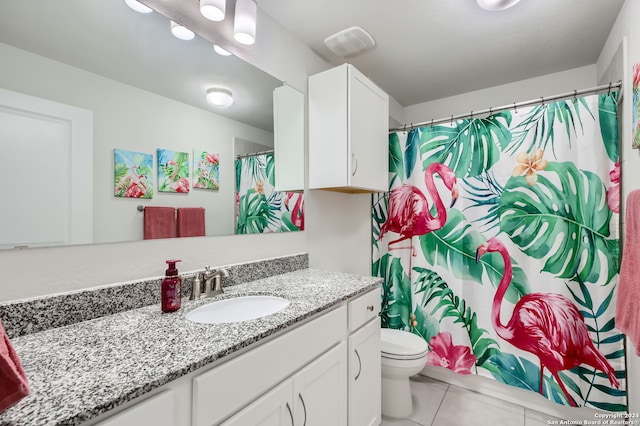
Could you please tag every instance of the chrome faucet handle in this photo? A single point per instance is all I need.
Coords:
(196, 290)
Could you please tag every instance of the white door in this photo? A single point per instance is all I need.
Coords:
(47, 169)
(320, 390)
(365, 375)
(272, 409)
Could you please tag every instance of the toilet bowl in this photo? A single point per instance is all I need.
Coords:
(403, 355)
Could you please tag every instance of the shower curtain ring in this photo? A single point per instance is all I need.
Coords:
(490, 111)
(575, 96)
(609, 91)
(471, 114)
(451, 119)
(432, 123)
(515, 107)
(542, 97)
(404, 129)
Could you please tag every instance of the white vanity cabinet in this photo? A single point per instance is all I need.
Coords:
(316, 395)
(364, 360)
(348, 132)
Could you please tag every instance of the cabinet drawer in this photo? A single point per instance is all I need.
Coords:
(225, 389)
(364, 308)
(157, 410)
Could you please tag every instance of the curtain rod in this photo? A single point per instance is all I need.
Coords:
(254, 154)
(515, 105)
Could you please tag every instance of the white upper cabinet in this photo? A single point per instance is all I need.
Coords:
(348, 132)
(288, 133)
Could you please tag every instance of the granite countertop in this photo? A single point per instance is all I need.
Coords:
(79, 371)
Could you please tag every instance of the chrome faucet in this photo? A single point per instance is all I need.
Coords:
(212, 283)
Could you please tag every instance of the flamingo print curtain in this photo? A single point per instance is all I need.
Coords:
(259, 208)
(498, 244)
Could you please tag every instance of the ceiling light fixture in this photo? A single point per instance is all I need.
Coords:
(220, 51)
(493, 5)
(219, 98)
(213, 10)
(183, 33)
(138, 7)
(244, 26)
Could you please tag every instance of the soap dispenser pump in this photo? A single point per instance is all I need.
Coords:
(171, 288)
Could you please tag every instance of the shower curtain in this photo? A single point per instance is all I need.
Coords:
(498, 243)
(259, 208)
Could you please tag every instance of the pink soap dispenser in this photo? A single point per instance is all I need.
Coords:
(171, 288)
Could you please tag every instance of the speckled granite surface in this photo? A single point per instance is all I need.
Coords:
(38, 314)
(81, 370)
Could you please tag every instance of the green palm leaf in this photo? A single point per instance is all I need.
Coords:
(411, 151)
(379, 202)
(468, 147)
(270, 169)
(538, 125)
(454, 247)
(434, 288)
(484, 192)
(396, 303)
(254, 214)
(608, 115)
(568, 224)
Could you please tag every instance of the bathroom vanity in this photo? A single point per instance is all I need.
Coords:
(315, 362)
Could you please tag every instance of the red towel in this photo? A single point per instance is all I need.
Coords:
(190, 222)
(627, 312)
(13, 380)
(159, 222)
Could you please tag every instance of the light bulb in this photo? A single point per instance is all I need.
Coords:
(220, 51)
(138, 7)
(183, 33)
(496, 4)
(219, 98)
(213, 10)
(244, 26)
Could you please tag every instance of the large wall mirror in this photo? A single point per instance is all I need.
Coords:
(141, 90)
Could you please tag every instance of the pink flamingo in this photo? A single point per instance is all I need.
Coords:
(547, 325)
(182, 184)
(297, 213)
(409, 213)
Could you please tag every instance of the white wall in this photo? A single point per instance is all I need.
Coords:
(612, 65)
(125, 117)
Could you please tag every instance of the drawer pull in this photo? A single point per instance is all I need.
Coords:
(290, 413)
(370, 308)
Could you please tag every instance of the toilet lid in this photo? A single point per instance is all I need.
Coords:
(400, 344)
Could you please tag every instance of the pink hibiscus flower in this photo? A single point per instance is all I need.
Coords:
(613, 193)
(445, 354)
(212, 158)
(636, 76)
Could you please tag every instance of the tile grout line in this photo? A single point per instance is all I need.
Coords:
(439, 406)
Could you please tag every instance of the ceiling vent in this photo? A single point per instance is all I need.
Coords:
(350, 42)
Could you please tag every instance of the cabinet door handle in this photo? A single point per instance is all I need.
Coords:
(290, 413)
(354, 160)
(370, 308)
(304, 407)
(359, 365)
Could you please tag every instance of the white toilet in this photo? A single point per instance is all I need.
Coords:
(403, 354)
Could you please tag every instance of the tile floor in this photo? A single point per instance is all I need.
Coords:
(451, 405)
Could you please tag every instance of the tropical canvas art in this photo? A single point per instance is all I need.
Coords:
(636, 106)
(259, 208)
(173, 171)
(133, 174)
(206, 170)
(498, 244)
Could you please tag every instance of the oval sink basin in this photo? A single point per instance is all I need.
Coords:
(237, 309)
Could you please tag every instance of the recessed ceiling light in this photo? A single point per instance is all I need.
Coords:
(220, 51)
(138, 7)
(219, 98)
(496, 4)
(213, 10)
(183, 33)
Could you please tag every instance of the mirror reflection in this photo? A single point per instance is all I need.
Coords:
(137, 92)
